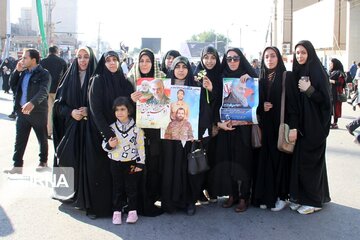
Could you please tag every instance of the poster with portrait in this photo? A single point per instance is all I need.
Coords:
(153, 107)
(240, 100)
(184, 114)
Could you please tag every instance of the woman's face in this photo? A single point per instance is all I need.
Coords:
(145, 64)
(233, 60)
(181, 71)
(168, 61)
(301, 54)
(83, 60)
(270, 59)
(112, 64)
(209, 60)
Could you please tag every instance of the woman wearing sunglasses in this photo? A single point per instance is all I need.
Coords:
(234, 155)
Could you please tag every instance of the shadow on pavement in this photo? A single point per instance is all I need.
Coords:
(5, 224)
(214, 222)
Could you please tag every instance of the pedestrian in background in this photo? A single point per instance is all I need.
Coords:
(167, 61)
(337, 81)
(57, 68)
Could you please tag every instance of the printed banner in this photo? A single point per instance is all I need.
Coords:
(240, 100)
(184, 114)
(153, 108)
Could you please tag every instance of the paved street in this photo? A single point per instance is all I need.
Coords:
(34, 215)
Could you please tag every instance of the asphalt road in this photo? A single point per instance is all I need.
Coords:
(28, 214)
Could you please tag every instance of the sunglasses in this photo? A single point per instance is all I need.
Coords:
(234, 58)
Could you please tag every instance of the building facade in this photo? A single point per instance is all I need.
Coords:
(331, 25)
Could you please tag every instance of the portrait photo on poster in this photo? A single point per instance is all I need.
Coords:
(184, 114)
(153, 107)
(240, 99)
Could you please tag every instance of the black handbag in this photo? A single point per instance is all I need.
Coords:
(341, 97)
(197, 159)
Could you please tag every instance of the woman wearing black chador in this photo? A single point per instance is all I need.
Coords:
(234, 153)
(273, 170)
(107, 84)
(309, 185)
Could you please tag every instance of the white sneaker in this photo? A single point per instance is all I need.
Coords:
(279, 205)
(263, 206)
(308, 209)
(294, 206)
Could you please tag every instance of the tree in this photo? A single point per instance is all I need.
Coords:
(209, 36)
(219, 41)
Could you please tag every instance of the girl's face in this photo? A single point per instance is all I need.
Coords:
(209, 60)
(83, 59)
(181, 71)
(168, 61)
(112, 64)
(233, 60)
(301, 54)
(270, 59)
(331, 65)
(145, 64)
(122, 113)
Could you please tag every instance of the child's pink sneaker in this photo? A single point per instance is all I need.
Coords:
(132, 217)
(116, 218)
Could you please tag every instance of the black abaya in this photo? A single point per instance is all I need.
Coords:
(309, 184)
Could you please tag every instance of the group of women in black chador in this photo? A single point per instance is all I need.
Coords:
(266, 177)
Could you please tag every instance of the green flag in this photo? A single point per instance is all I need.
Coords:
(44, 46)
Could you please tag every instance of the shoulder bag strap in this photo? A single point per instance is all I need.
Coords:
(282, 110)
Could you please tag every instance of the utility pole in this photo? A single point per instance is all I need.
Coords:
(98, 42)
(50, 4)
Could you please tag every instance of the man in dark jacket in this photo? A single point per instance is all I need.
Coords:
(57, 68)
(31, 83)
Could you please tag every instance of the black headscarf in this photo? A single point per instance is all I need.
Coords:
(189, 79)
(244, 66)
(280, 68)
(313, 67)
(71, 95)
(173, 53)
(319, 81)
(337, 69)
(214, 73)
(150, 54)
(115, 83)
(70, 85)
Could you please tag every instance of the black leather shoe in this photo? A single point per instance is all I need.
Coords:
(12, 116)
(191, 209)
(91, 215)
(42, 167)
(349, 130)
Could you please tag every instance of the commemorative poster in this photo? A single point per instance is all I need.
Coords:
(240, 100)
(184, 114)
(153, 107)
